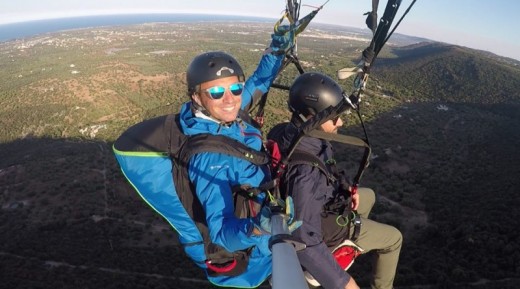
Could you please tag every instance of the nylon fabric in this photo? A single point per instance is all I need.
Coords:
(151, 177)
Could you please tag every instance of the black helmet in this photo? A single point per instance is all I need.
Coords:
(313, 92)
(209, 66)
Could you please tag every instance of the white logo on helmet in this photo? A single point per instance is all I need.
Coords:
(219, 72)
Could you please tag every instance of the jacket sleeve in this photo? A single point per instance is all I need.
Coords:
(261, 80)
(214, 175)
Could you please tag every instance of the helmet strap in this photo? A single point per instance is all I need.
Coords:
(298, 119)
(302, 117)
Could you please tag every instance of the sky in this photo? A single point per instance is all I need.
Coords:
(480, 24)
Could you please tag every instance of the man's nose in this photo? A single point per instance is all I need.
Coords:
(228, 96)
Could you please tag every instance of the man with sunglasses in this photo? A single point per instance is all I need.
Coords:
(219, 100)
(313, 186)
(194, 185)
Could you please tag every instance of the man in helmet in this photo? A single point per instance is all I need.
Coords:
(312, 188)
(198, 194)
(219, 97)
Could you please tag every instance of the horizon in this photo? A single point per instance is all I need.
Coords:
(38, 30)
(488, 26)
(163, 14)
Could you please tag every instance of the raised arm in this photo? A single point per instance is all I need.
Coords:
(267, 69)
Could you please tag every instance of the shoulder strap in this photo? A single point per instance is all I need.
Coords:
(206, 142)
(300, 157)
(351, 140)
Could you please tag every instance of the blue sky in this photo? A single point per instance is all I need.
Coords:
(480, 24)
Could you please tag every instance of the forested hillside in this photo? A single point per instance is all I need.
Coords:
(441, 72)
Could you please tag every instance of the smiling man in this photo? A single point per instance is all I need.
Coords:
(197, 195)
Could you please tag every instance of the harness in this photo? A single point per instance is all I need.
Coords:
(164, 134)
(340, 205)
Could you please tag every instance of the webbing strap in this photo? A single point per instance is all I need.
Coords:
(355, 141)
(302, 157)
(357, 227)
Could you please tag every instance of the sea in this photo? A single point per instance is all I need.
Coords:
(19, 30)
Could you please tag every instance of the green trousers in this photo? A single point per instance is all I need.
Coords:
(384, 240)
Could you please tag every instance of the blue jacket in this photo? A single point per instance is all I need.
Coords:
(213, 176)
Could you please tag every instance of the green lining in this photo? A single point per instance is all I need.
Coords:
(140, 154)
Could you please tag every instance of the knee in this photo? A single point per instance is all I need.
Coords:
(367, 196)
(393, 243)
(398, 237)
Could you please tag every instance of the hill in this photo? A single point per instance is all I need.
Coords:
(445, 164)
(434, 71)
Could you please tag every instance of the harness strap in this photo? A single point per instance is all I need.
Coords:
(357, 227)
(302, 157)
(337, 206)
(355, 141)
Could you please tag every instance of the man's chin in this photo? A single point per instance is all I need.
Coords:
(229, 117)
